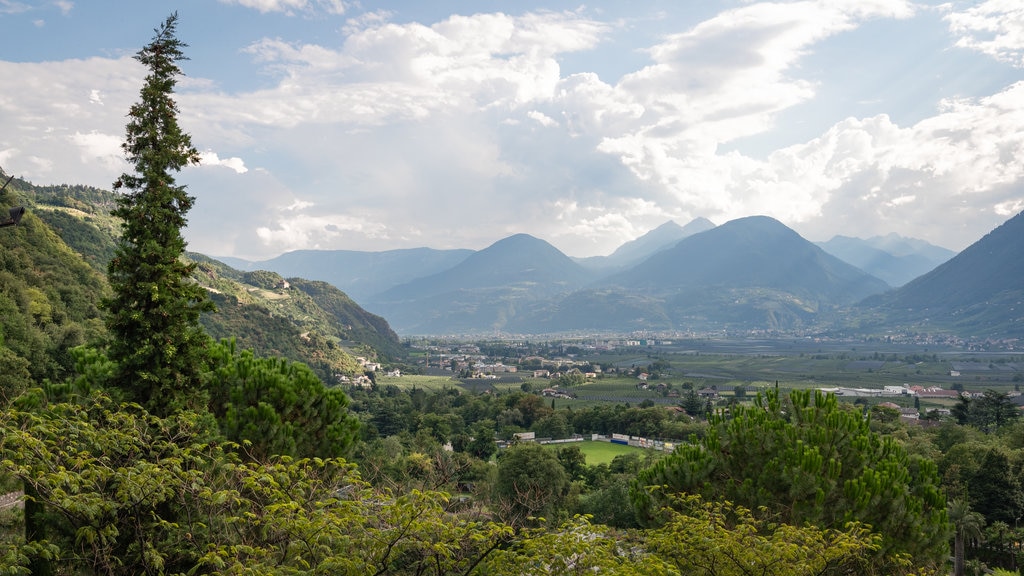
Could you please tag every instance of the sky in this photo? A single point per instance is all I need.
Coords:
(376, 125)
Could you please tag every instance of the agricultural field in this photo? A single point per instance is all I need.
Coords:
(428, 383)
(755, 365)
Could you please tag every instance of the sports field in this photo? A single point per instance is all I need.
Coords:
(603, 452)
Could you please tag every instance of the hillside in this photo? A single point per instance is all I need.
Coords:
(979, 292)
(298, 319)
(312, 323)
(49, 299)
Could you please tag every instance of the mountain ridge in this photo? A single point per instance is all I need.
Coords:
(980, 291)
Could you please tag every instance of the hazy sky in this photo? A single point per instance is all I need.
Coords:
(387, 124)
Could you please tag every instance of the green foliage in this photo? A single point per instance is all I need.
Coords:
(274, 407)
(264, 279)
(483, 445)
(610, 504)
(571, 379)
(989, 413)
(358, 324)
(127, 492)
(531, 483)
(154, 311)
(92, 236)
(48, 302)
(720, 539)
(806, 461)
(967, 527)
(573, 547)
(320, 327)
(107, 476)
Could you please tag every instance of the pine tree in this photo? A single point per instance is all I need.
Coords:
(803, 459)
(157, 341)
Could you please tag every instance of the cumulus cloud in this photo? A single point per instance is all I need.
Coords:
(456, 132)
(210, 158)
(724, 79)
(311, 231)
(97, 147)
(994, 27)
(392, 73)
(68, 112)
(542, 119)
(953, 166)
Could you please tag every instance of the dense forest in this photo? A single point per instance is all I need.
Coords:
(139, 438)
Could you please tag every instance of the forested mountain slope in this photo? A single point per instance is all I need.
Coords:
(311, 323)
(48, 300)
(293, 318)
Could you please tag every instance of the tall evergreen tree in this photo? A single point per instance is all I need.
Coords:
(157, 341)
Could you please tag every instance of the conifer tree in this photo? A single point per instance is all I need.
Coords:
(153, 317)
(801, 460)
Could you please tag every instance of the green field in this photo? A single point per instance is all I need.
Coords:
(602, 452)
(429, 383)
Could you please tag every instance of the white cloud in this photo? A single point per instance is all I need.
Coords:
(456, 133)
(1010, 208)
(389, 72)
(210, 158)
(541, 118)
(956, 166)
(13, 7)
(994, 27)
(728, 78)
(55, 114)
(271, 5)
(336, 7)
(315, 231)
(98, 147)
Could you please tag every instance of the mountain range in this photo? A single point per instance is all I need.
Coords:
(752, 274)
(893, 258)
(979, 292)
(748, 274)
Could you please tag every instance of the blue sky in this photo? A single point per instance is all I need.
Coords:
(330, 124)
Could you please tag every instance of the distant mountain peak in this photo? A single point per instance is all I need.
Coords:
(754, 251)
(660, 238)
(977, 292)
(893, 258)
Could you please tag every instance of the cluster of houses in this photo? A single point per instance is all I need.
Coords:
(364, 381)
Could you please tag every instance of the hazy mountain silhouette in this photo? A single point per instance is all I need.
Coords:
(358, 274)
(484, 291)
(979, 292)
(752, 252)
(636, 251)
(893, 258)
(750, 273)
